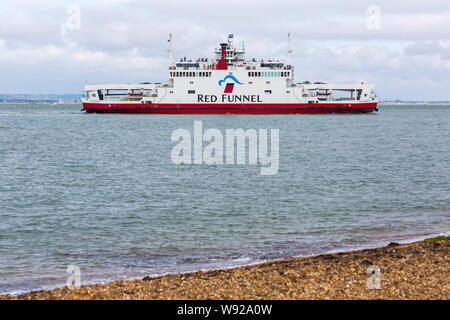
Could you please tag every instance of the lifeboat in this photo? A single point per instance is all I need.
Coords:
(135, 94)
(323, 93)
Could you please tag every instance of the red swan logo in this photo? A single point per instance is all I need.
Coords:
(229, 86)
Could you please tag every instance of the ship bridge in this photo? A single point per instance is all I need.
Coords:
(228, 57)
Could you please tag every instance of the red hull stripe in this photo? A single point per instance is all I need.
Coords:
(204, 108)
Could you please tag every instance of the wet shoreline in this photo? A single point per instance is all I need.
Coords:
(416, 270)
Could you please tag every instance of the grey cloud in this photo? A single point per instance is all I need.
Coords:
(428, 48)
(126, 41)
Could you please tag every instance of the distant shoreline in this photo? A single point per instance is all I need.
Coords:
(415, 103)
(417, 270)
(42, 103)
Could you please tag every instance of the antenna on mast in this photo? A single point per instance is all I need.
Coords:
(230, 38)
(170, 50)
(288, 60)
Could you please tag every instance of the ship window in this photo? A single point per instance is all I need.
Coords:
(268, 82)
(170, 91)
(268, 91)
(259, 74)
(191, 91)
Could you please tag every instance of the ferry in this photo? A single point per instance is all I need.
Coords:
(229, 83)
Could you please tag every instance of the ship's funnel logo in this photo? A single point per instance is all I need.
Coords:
(229, 86)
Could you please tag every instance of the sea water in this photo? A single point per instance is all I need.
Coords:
(100, 192)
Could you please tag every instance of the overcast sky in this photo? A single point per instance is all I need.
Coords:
(403, 47)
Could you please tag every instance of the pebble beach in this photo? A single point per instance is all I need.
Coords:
(418, 270)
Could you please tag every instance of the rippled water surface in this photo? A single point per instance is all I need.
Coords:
(101, 191)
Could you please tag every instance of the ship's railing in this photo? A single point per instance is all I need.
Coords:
(344, 99)
(233, 66)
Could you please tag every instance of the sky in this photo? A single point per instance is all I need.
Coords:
(49, 46)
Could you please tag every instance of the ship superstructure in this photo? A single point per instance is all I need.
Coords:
(230, 84)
